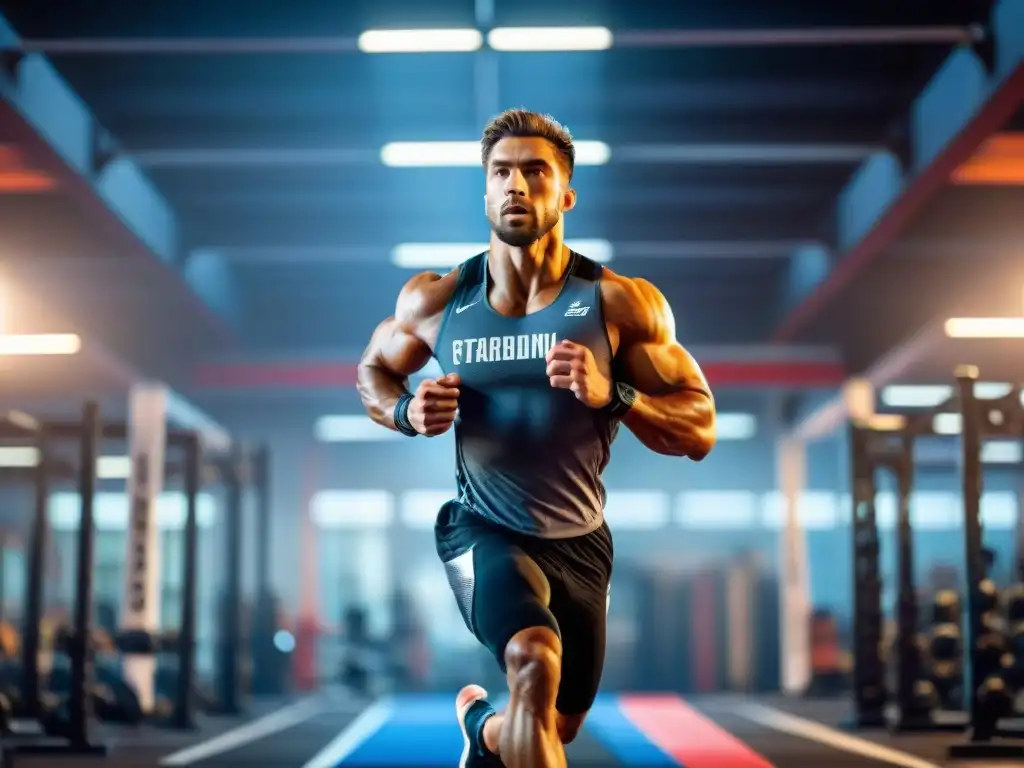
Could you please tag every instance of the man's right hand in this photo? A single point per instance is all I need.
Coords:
(434, 405)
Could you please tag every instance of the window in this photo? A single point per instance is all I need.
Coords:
(816, 510)
(352, 509)
(354, 553)
(419, 508)
(637, 510)
(999, 511)
(110, 510)
(935, 511)
(716, 510)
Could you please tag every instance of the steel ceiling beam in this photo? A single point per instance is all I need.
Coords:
(652, 38)
(639, 154)
(666, 250)
(963, 105)
(53, 127)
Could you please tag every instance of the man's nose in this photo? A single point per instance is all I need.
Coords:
(515, 184)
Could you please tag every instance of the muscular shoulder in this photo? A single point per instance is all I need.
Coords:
(425, 296)
(637, 308)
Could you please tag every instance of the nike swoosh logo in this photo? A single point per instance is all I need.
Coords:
(460, 310)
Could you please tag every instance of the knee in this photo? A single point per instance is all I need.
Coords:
(569, 727)
(533, 658)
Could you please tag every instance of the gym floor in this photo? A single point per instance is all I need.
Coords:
(650, 731)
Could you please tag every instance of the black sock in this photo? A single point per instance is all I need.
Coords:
(478, 714)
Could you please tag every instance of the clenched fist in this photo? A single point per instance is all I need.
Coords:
(572, 366)
(433, 407)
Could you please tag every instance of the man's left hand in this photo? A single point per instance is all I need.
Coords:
(572, 366)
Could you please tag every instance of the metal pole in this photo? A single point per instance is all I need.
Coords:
(911, 715)
(231, 618)
(869, 684)
(261, 461)
(970, 444)
(182, 718)
(79, 656)
(656, 38)
(820, 36)
(37, 546)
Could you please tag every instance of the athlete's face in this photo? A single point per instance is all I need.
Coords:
(527, 190)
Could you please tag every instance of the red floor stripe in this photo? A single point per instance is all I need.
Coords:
(686, 735)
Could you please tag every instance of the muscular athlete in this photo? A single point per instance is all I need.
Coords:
(544, 354)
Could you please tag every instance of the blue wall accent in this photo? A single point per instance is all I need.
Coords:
(808, 267)
(947, 104)
(874, 187)
(1008, 21)
(211, 276)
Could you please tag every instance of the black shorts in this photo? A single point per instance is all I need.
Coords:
(506, 582)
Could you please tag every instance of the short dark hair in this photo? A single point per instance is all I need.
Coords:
(522, 123)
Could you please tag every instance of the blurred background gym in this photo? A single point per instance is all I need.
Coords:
(206, 208)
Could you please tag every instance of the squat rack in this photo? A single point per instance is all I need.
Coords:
(886, 440)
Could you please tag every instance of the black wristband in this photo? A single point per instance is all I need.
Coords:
(623, 397)
(401, 416)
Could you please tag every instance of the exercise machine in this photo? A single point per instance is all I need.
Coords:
(71, 724)
(886, 445)
(242, 469)
(988, 697)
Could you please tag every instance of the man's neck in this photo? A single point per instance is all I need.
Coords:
(525, 272)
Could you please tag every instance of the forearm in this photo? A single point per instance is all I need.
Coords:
(677, 424)
(379, 389)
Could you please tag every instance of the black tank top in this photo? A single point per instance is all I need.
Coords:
(528, 457)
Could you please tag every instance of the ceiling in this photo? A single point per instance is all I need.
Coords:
(727, 163)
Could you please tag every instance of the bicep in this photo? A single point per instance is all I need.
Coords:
(400, 343)
(654, 361)
(662, 367)
(395, 349)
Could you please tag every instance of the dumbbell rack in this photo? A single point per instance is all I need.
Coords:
(986, 692)
(892, 450)
(869, 674)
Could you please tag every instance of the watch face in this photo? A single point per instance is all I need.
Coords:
(627, 395)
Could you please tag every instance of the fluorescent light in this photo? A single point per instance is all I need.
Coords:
(932, 395)
(420, 40)
(816, 510)
(600, 251)
(716, 510)
(735, 426)
(419, 508)
(1002, 452)
(354, 428)
(113, 467)
(947, 423)
(434, 255)
(985, 328)
(910, 396)
(459, 154)
(550, 38)
(352, 509)
(18, 457)
(637, 510)
(111, 510)
(107, 467)
(448, 255)
(40, 344)
(420, 154)
(934, 511)
(998, 511)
